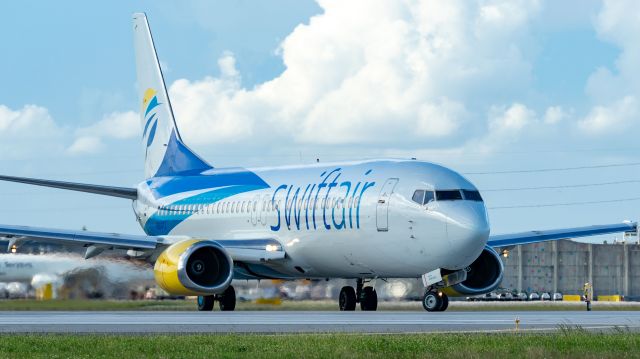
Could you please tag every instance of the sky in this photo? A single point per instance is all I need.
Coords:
(536, 102)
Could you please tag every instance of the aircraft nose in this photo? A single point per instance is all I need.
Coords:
(468, 232)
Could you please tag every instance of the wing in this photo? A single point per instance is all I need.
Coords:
(245, 250)
(505, 240)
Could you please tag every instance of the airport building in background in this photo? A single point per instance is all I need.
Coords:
(565, 266)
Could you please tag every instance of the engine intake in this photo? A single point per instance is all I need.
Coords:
(194, 267)
(484, 275)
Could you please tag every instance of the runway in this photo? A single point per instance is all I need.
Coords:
(309, 322)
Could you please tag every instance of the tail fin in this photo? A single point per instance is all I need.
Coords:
(165, 153)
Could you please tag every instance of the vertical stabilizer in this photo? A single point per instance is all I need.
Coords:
(165, 153)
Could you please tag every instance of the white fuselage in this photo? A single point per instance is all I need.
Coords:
(346, 220)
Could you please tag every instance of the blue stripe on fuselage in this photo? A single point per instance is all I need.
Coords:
(160, 224)
(170, 185)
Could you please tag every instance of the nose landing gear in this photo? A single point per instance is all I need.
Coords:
(366, 296)
(433, 301)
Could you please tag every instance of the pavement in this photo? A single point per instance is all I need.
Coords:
(311, 322)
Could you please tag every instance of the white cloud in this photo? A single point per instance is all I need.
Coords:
(31, 132)
(612, 119)
(29, 122)
(556, 114)
(120, 125)
(511, 120)
(28, 131)
(211, 110)
(85, 145)
(227, 65)
(440, 119)
(615, 92)
(506, 125)
(369, 72)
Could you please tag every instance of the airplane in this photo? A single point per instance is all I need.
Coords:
(363, 220)
(40, 269)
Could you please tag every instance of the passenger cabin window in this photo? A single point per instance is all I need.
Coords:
(449, 195)
(472, 195)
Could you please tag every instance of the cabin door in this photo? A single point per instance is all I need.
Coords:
(382, 208)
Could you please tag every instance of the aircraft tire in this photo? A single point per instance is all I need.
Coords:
(347, 299)
(369, 300)
(206, 302)
(445, 303)
(228, 299)
(431, 301)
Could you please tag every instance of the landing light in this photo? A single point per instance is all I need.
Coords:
(14, 249)
(505, 253)
(271, 247)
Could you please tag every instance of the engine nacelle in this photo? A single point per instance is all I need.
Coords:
(484, 275)
(194, 267)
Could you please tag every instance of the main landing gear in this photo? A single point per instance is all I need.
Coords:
(226, 300)
(433, 301)
(366, 296)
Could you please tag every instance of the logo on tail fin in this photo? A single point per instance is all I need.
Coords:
(149, 103)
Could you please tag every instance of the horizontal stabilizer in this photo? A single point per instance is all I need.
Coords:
(122, 192)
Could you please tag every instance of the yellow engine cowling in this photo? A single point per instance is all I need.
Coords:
(194, 267)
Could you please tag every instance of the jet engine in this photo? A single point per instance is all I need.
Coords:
(194, 267)
(483, 275)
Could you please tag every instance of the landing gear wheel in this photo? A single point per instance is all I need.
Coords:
(228, 299)
(347, 299)
(445, 302)
(431, 301)
(205, 303)
(369, 299)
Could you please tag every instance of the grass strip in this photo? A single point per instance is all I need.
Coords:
(567, 343)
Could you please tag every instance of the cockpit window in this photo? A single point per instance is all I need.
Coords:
(429, 196)
(421, 196)
(472, 195)
(450, 195)
(418, 196)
